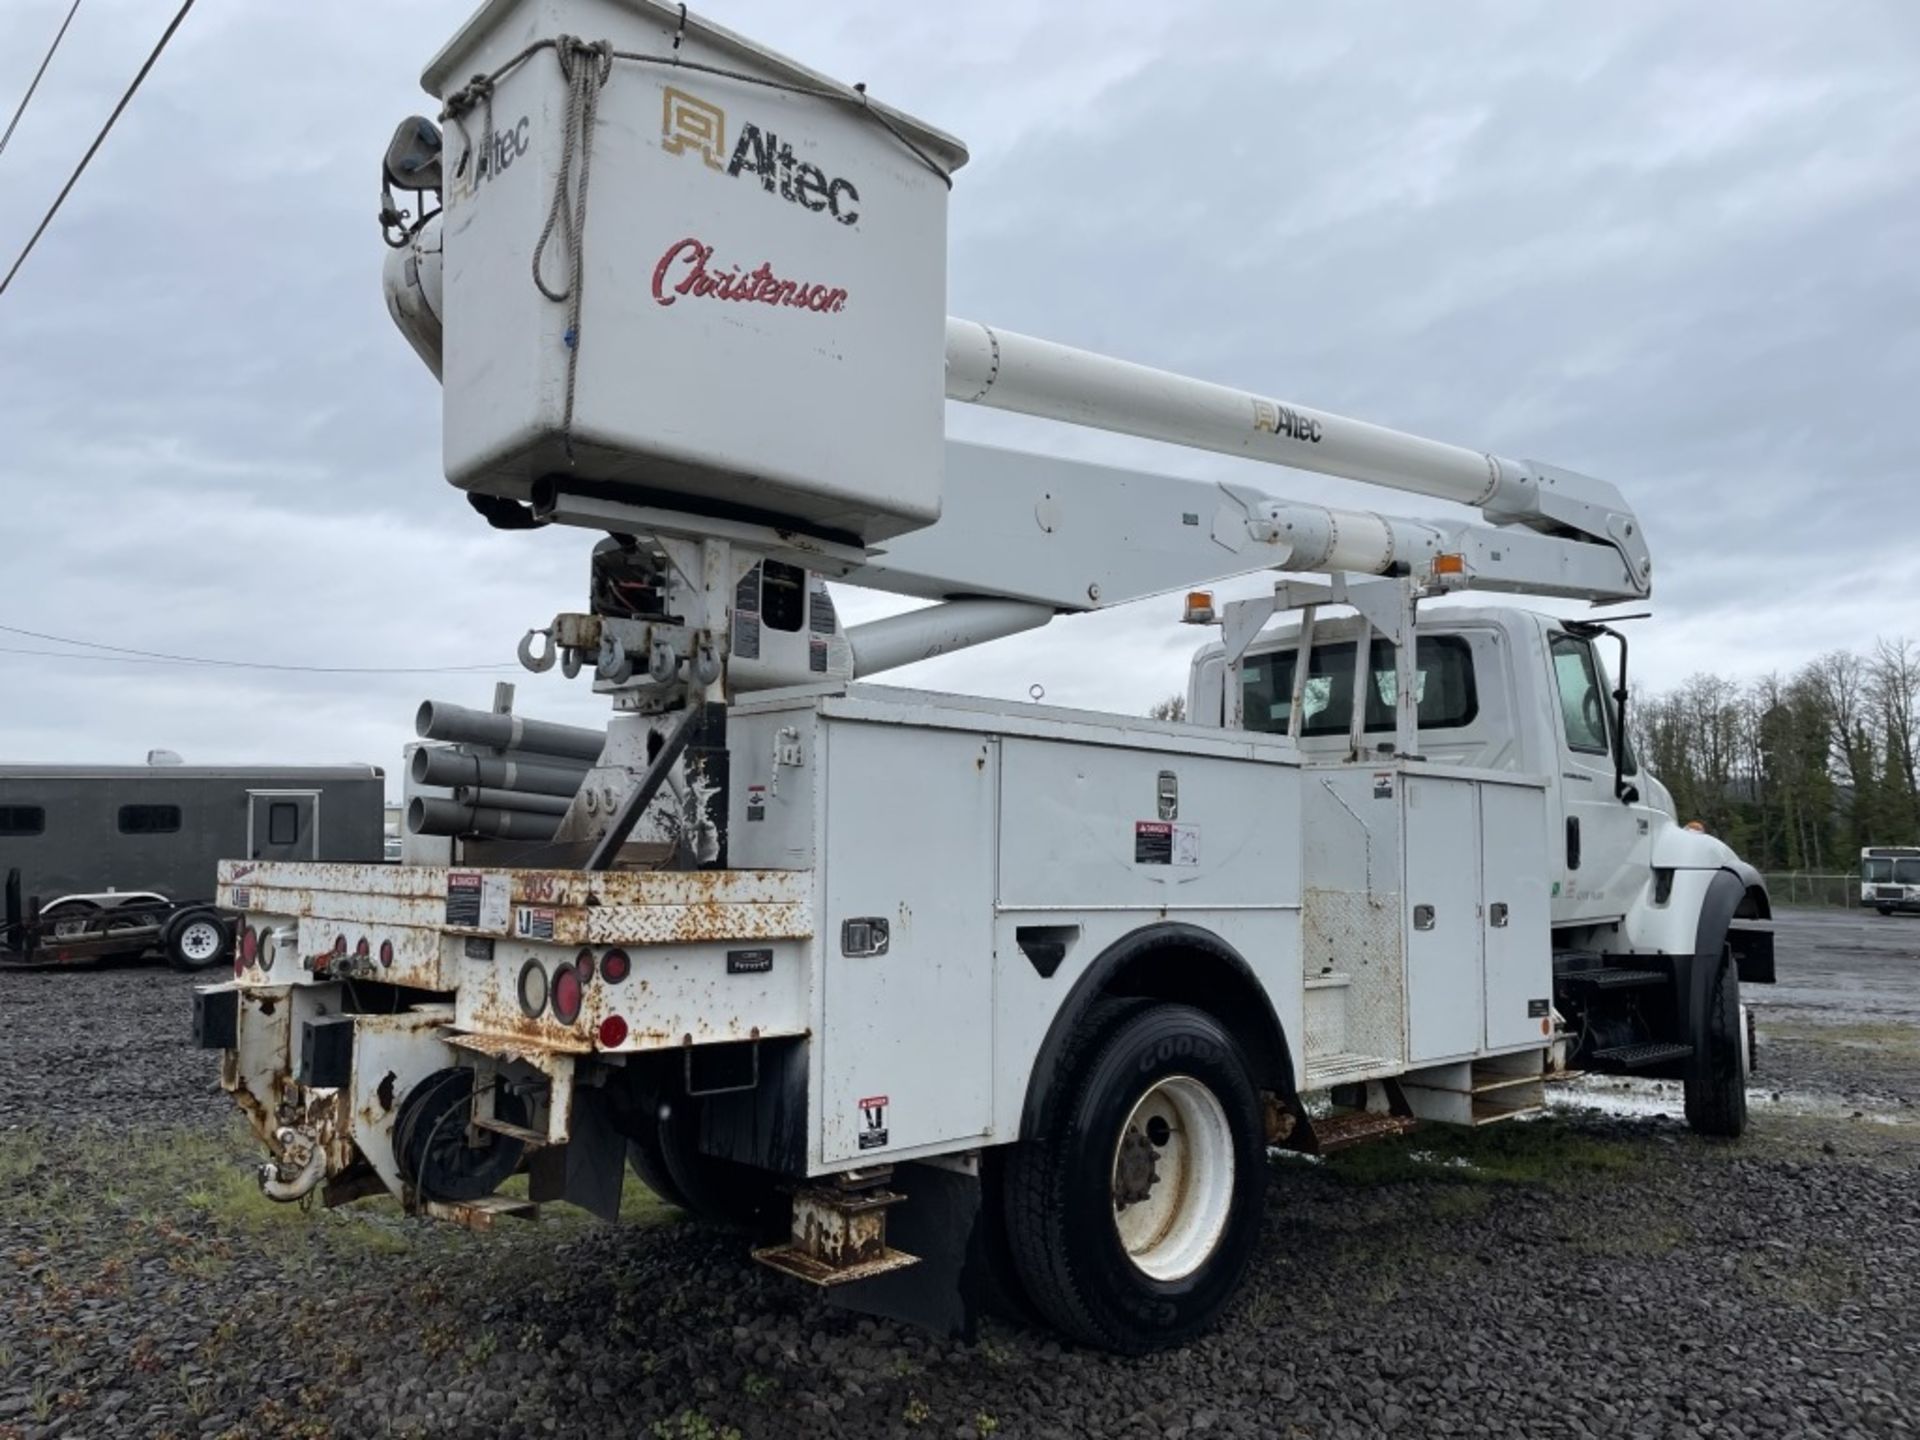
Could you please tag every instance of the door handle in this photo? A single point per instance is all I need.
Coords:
(1497, 914)
(1423, 917)
(1573, 842)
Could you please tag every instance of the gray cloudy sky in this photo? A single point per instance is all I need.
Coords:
(1670, 245)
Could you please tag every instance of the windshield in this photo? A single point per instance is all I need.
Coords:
(1873, 871)
(1906, 872)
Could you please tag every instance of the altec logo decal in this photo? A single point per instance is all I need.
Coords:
(690, 124)
(683, 271)
(1277, 419)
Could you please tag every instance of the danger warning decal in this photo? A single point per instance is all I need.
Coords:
(1162, 842)
(873, 1122)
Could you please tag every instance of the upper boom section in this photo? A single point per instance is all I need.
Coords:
(988, 366)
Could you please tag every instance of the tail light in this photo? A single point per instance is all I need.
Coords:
(249, 945)
(613, 1033)
(386, 953)
(364, 950)
(583, 962)
(615, 966)
(533, 989)
(567, 994)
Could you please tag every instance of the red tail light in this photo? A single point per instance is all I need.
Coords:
(567, 994)
(613, 1033)
(249, 945)
(615, 966)
(583, 962)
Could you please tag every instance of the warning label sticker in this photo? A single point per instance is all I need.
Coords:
(534, 924)
(873, 1122)
(463, 898)
(1383, 784)
(1162, 842)
(242, 897)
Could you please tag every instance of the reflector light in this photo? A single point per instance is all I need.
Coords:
(1449, 562)
(386, 953)
(339, 946)
(533, 989)
(613, 1033)
(1199, 608)
(583, 962)
(364, 948)
(615, 966)
(567, 994)
(249, 945)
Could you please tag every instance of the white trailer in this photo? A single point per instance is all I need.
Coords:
(931, 988)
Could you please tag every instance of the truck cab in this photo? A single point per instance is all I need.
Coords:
(1500, 688)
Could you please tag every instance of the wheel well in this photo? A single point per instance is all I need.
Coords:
(1755, 905)
(1183, 964)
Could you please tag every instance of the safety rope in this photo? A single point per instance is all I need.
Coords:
(586, 66)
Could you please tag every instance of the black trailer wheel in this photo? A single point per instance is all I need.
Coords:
(1716, 1079)
(1133, 1214)
(197, 939)
(1884, 909)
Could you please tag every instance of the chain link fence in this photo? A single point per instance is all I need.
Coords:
(1795, 887)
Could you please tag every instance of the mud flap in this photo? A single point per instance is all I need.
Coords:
(590, 1168)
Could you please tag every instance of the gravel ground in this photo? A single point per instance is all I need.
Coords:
(1599, 1272)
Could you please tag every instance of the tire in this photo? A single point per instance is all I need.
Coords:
(197, 939)
(1132, 1215)
(1716, 1079)
(719, 1192)
(1884, 909)
(648, 1161)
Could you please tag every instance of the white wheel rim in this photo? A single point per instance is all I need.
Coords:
(200, 940)
(1171, 1229)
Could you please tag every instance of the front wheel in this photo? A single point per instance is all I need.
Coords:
(1134, 1212)
(1716, 1079)
(1884, 909)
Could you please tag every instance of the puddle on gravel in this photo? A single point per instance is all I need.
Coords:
(1613, 1095)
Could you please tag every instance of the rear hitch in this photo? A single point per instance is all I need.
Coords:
(296, 1170)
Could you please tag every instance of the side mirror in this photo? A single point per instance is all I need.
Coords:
(412, 161)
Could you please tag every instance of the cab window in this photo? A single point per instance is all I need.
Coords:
(1583, 702)
(1443, 677)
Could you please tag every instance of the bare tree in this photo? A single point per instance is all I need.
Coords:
(1174, 707)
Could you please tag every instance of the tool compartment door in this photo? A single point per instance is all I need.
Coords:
(907, 1059)
(1519, 931)
(1445, 998)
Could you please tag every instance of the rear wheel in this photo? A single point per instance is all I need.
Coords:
(1716, 1080)
(722, 1192)
(1884, 909)
(1133, 1214)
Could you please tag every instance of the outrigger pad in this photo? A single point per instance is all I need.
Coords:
(216, 1019)
(326, 1052)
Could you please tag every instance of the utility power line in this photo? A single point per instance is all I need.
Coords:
(34, 84)
(115, 652)
(98, 140)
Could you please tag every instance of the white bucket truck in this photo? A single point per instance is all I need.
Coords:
(931, 986)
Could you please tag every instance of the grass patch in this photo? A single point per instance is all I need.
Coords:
(1820, 1278)
(1539, 1152)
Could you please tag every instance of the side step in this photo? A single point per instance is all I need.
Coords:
(1639, 1057)
(1345, 1129)
(1479, 1092)
(1607, 979)
(480, 1214)
(839, 1232)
